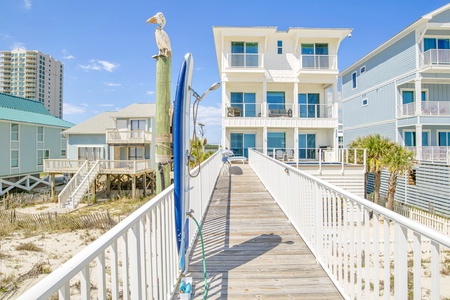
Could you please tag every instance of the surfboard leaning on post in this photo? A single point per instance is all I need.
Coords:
(181, 158)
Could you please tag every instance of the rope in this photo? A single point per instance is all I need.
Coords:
(205, 293)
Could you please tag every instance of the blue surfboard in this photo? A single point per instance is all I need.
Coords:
(181, 145)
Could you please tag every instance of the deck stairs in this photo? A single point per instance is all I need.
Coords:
(80, 183)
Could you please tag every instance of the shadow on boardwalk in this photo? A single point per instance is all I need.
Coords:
(252, 250)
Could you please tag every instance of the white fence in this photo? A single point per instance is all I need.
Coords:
(430, 220)
(137, 259)
(368, 251)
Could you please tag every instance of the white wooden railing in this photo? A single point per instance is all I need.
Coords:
(70, 187)
(128, 136)
(137, 259)
(83, 186)
(436, 57)
(432, 153)
(428, 219)
(318, 62)
(244, 60)
(363, 247)
(62, 165)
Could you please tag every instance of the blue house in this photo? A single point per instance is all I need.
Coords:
(113, 147)
(30, 135)
(401, 90)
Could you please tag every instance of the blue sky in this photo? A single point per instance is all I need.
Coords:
(106, 46)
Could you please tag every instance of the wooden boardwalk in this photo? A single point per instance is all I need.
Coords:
(252, 250)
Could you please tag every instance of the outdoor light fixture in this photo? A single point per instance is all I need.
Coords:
(213, 87)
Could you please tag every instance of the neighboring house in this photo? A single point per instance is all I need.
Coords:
(33, 75)
(401, 90)
(30, 135)
(114, 143)
(275, 87)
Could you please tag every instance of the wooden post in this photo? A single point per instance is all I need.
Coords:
(133, 187)
(53, 186)
(144, 184)
(163, 150)
(108, 185)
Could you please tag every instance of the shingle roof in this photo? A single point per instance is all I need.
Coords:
(16, 115)
(106, 120)
(23, 104)
(94, 125)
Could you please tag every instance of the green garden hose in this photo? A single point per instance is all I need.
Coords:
(191, 215)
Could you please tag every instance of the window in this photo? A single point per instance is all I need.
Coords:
(307, 146)
(14, 158)
(435, 43)
(240, 142)
(409, 97)
(40, 134)
(135, 153)
(365, 102)
(410, 138)
(444, 138)
(245, 103)
(308, 105)
(362, 70)
(14, 132)
(354, 80)
(63, 153)
(121, 124)
(280, 47)
(41, 155)
(90, 153)
(275, 141)
(315, 56)
(244, 54)
(275, 100)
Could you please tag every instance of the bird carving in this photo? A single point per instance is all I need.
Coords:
(162, 39)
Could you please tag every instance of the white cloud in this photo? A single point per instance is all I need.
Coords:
(67, 55)
(209, 115)
(70, 109)
(16, 45)
(112, 84)
(97, 65)
(106, 105)
(150, 92)
(27, 4)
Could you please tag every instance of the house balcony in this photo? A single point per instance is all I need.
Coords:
(428, 108)
(130, 167)
(435, 154)
(436, 60)
(128, 137)
(280, 115)
(318, 63)
(251, 62)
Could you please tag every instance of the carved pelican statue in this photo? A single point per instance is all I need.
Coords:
(162, 39)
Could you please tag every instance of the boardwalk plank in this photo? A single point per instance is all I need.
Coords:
(252, 250)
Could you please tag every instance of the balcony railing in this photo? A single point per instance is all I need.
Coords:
(318, 62)
(436, 57)
(432, 153)
(137, 259)
(106, 166)
(428, 108)
(244, 60)
(128, 137)
(313, 110)
(248, 110)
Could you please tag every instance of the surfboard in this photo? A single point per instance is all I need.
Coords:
(181, 178)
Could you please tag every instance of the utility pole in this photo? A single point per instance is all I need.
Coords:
(163, 72)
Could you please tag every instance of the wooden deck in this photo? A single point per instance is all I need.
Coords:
(252, 250)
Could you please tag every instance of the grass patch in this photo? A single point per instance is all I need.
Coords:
(30, 246)
(5, 282)
(42, 207)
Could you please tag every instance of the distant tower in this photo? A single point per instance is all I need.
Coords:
(33, 75)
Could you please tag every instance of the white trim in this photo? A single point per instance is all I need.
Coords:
(415, 141)
(362, 102)
(370, 125)
(437, 138)
(429, 137)
(414, 91)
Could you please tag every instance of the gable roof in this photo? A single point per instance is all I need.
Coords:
(423, 20)
(17, 109)
(24, 104)
(107, 120)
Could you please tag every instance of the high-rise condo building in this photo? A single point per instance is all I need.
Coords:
(33, 75)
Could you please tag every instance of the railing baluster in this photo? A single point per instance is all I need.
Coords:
(417, 243)
(387, 259)
(401, 262)
(142, 258)
(149, 260)
(376, 255)
(64, 292)
(101, 284)
(114, 258)
(435, 272)
(125, 268)
(367, 252)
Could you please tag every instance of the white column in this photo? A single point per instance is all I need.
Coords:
(295, 106)
(334, 95)
(419, 141)
(224, 138)
(296, 144)
(265, 140)
(418, 96)
(264, 108)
